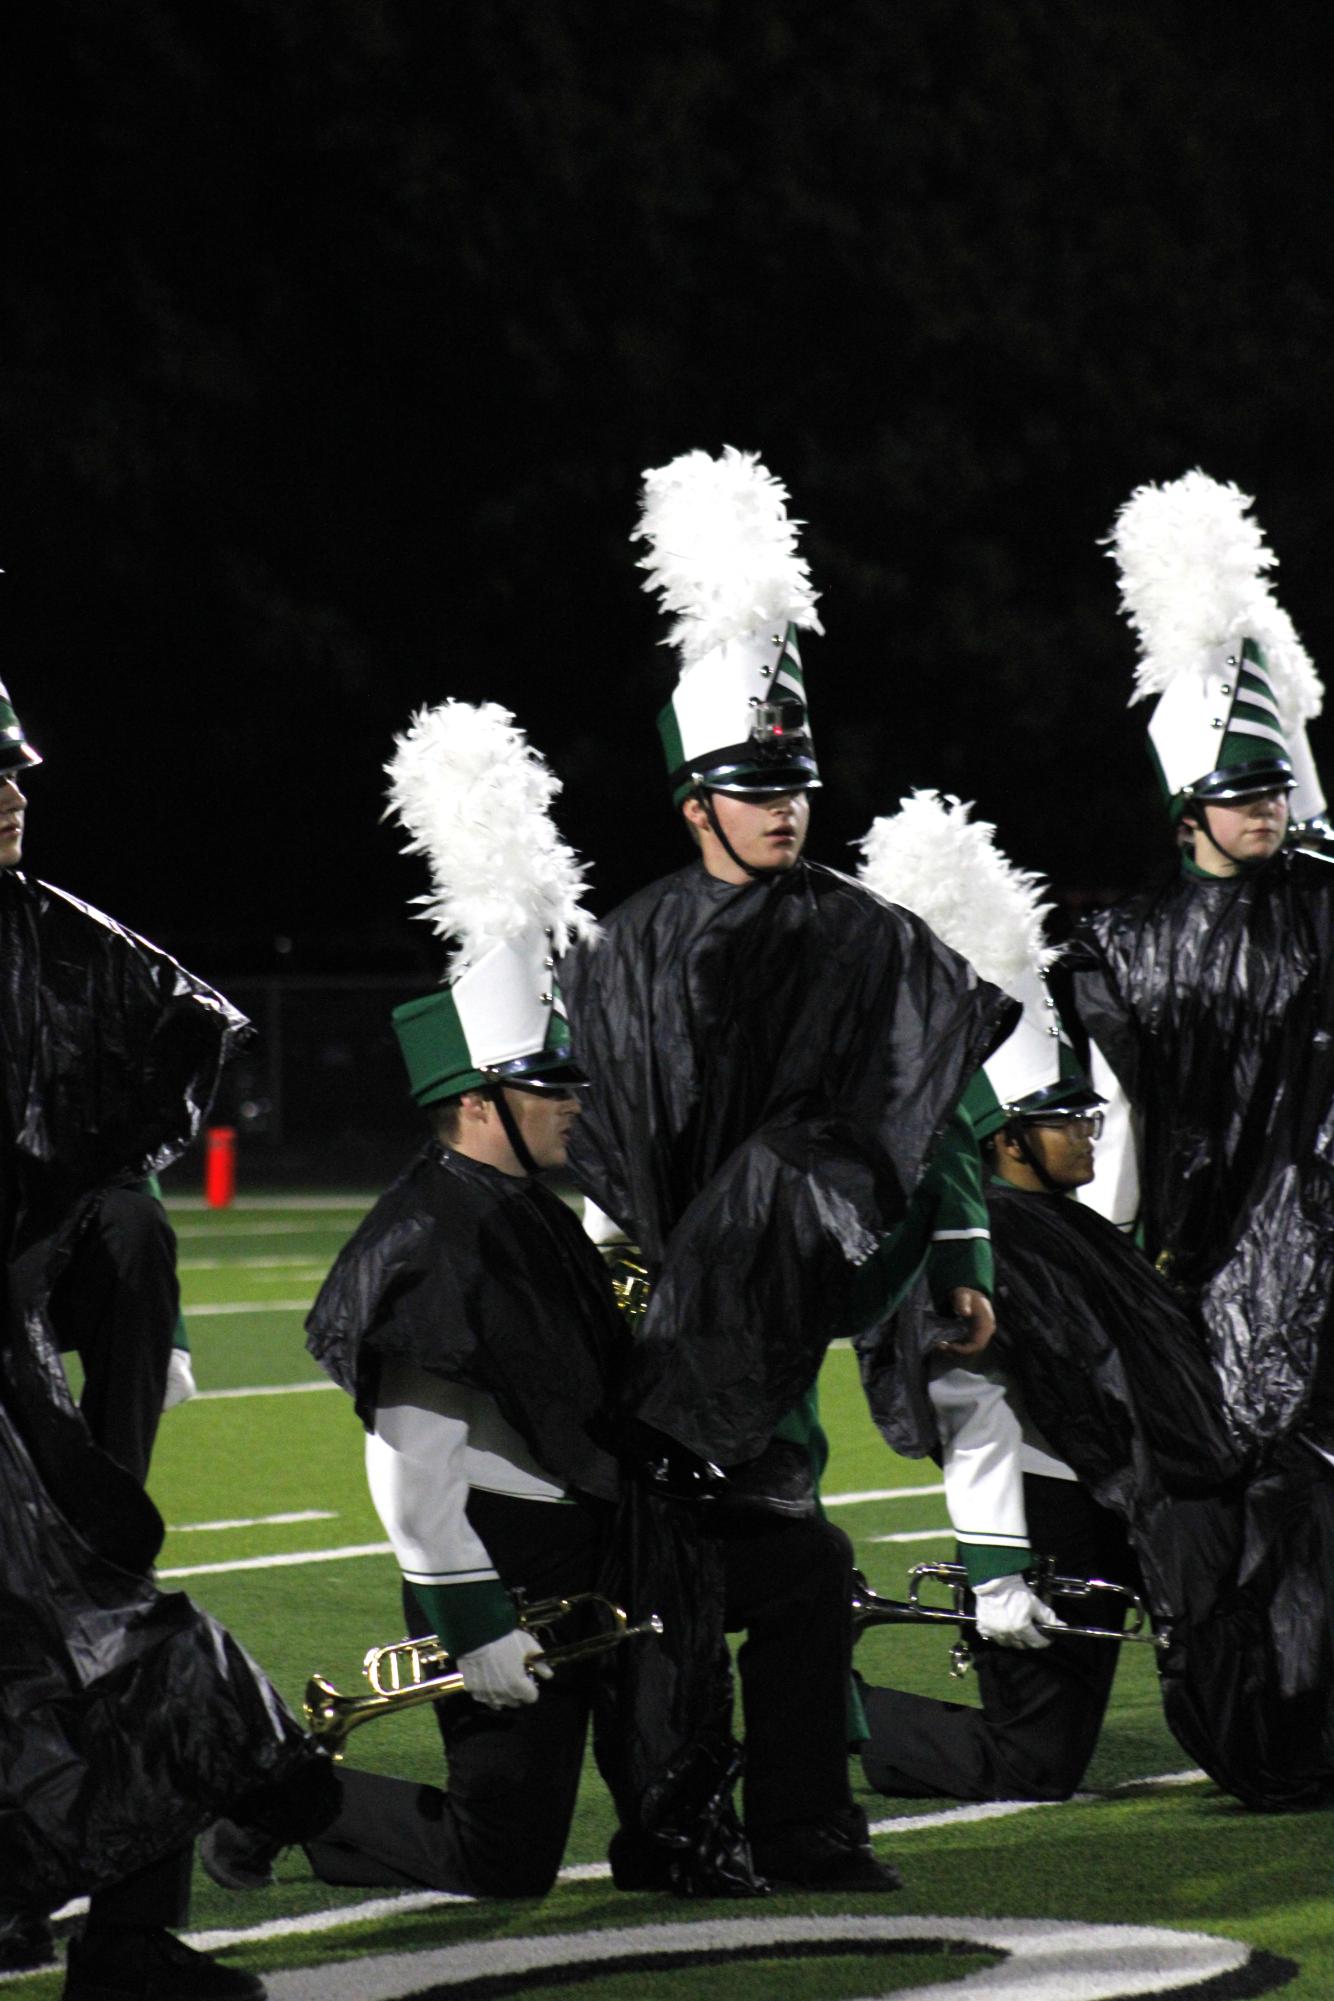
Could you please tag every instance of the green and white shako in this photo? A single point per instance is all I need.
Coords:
(723, 560)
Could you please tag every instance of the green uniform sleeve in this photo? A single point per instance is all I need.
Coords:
(959, 1250)
(467, 1616)
(944, 1230)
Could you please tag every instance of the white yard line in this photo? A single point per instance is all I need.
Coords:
(878, 1494)
(254, 1521)
(246, 1205)
(312, 1264)
(916, 1535)
(216, 1308)
(288, 1562)
(206, 1233)
(263, 1390)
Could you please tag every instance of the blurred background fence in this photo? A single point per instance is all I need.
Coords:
(318, 1097)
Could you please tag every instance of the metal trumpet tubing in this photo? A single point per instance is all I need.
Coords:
(870, 1609)
(409, 1672)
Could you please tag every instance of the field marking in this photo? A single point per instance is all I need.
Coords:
(1043, 1959)
(217, 1307)
(263, 1390)
(915, 1535)
(598, 1872)
(288, 1562)
(254, 1521)
(878, 1494)
(245, 1205)
(251, 1264)
(201, 1233)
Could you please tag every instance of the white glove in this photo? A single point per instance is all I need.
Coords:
(181, 1384)
(500, 1674)
(1010, 1613)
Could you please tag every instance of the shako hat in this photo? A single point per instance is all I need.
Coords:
(946, 868)
(1235, 686)
(15, 750)
(723, 560)
(472, 795)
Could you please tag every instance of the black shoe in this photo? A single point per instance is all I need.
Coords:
(239, 1858)
(822, 1855)
(25, 1942)
(114, 1965)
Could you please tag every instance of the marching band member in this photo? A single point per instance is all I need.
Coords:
(130, 1717)
(775, 1059)
(474, 1326)
(1208, 1000)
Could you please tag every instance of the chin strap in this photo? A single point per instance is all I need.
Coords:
(705, 796)
(512, 1133)
(1239, 863)
(1030, 1159)
(1202, 827)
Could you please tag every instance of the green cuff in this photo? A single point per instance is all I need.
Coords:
(985, 1560)
(467, 1616)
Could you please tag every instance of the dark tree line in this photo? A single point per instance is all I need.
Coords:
(338, 334)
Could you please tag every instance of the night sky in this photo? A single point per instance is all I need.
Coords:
(339, 333)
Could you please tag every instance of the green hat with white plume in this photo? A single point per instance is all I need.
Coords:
(473, 796)
(1234, 685)
(945, 867)
(723, 560)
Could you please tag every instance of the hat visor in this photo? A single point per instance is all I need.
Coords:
(1240, 781)
(18, 757)
(1073, 1098)
(542, 1071)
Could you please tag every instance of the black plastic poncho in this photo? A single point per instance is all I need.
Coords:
(1213, 1002)
(489, 1280)
(1235, 1559)
(130, 1719)
(772, 1066)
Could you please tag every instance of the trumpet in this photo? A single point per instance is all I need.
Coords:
(869, 1609)
(629, 1281)
(410, 1672)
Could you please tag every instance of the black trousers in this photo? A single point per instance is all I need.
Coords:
(789, 1588)
(116, 1304)
(1041, 1709)
(501, 1828)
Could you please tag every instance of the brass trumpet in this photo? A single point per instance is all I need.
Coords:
(414, 1671)
(869, 1609)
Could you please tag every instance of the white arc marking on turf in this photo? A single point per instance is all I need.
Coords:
(1045, 1961)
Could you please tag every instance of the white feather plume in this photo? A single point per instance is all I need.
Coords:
(1192, 578)
(722, 551)
(473, 796)
(947, 869)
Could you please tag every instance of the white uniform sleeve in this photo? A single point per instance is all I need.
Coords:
(415, 1465)
(981, 1439)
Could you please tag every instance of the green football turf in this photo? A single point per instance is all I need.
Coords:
(1128, 1852)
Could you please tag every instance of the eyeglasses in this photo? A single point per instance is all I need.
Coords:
(1084, 1125)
